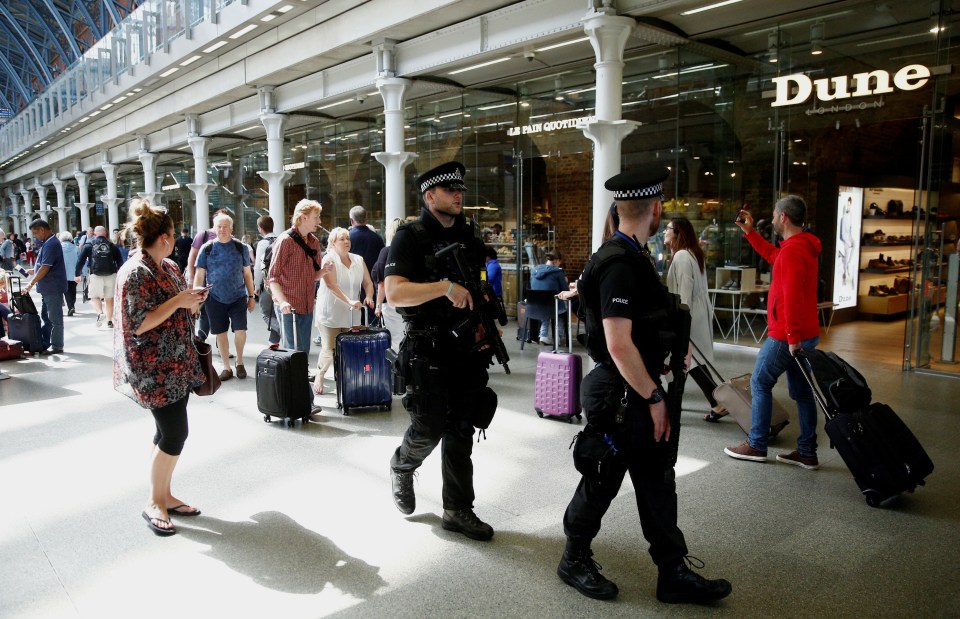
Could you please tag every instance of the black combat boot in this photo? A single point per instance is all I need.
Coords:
(578, 569)
(465, 521)
(679, 584)
(403, 496)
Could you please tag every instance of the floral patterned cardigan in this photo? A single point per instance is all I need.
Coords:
(160, 366)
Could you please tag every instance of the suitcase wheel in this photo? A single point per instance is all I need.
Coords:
(267, 418)
(539, 413)
(579, 417)
(305, 420)
(290, 422)
(346, 411)
(874, 498)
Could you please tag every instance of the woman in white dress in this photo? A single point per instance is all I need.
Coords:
(688, 278)
(338, 297)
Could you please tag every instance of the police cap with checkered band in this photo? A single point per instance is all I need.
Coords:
(449, 175)
(638, 184)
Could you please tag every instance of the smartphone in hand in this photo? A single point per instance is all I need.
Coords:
(203, 290)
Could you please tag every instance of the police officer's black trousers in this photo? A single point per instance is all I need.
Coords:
(451, 393)
(654, 482)
(456, 464)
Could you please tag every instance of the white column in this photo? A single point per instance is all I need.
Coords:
(83, 194)
(110, 200)
(15, 214)
(61, 188)
(149, 163)
(608, 34)
(27, 204)
(394, 159)
(200, 187)
(42, 194)
(275, 175)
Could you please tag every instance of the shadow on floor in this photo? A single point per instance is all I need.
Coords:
(276, 552)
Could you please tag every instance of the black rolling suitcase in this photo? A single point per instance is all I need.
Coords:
(881, 452)
(25, 328)
(364, 375)
(283, 384)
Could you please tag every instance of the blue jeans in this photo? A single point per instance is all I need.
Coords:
(773, 360)
(559, 330)
(304, 327)
(51, 321)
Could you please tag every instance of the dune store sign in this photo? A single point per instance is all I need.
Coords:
(798, 88)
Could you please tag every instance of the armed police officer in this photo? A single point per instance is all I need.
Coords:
(628, 427)
(446, 394)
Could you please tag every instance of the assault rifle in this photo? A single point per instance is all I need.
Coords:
(487, 307)
(677, 334)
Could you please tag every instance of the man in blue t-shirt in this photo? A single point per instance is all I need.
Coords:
(50, 280)
(224, 264)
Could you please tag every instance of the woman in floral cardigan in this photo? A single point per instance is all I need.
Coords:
(155, 362)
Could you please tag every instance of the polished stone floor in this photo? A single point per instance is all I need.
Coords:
(298, 522)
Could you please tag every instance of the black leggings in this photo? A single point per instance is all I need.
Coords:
(171, 426)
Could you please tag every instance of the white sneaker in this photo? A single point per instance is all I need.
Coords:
(100, 319)
(546, 341)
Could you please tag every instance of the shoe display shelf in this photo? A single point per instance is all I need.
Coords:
(885, 252)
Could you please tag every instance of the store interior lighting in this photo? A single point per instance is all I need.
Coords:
(816, 38)
(772, 46)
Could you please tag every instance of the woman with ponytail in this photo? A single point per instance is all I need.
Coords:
(155, 361)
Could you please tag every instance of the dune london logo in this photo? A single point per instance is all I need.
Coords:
(797, 88)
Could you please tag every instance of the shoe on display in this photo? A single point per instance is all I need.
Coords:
(876, 292)
(579, 570)
(465, 521)
(811, 463)
(680, 584)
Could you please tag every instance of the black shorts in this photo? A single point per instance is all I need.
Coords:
(223, 315)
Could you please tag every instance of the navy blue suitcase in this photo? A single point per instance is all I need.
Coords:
(363, 373)
(26, 329)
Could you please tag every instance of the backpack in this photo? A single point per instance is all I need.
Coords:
(101, 259)
(267, 257)
(208, 247)
(845, 388)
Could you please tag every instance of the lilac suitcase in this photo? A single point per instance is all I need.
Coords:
(557, 384)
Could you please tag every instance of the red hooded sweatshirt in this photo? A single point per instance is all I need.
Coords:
(792, 302)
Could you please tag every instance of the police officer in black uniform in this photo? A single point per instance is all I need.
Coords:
(447, 390)
(628, 426)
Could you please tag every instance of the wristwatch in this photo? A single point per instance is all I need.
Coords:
(657, 396)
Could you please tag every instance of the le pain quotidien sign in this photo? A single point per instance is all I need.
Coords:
(849, 93)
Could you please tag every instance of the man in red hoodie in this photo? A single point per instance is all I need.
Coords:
(792, 320)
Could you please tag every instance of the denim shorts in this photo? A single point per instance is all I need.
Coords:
(223, 315)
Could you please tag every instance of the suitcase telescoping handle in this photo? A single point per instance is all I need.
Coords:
(556, 322)
(807, 370)
(364, 315)
(706, 363)
(283, 333)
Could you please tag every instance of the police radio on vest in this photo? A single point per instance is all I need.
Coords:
(910, 77)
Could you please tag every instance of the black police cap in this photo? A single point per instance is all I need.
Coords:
(449, 175)
(638, 184)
